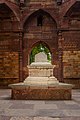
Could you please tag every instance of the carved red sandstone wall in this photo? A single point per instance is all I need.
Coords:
(19, 33)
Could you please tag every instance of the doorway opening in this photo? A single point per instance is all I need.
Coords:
(40, 48)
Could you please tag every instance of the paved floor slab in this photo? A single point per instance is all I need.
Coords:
(39, 109)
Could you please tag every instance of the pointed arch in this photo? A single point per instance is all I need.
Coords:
(41, 42)
(14, 8)
(40, 47)
(66, 7)
(75, 5)
(26, 15)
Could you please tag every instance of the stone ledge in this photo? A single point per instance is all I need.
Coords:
(40, 93)
(25, 86)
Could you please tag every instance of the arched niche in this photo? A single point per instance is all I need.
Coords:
(35, 31)
(27, 14)
(9, 43)
(74, 15)
(40, 27)
(8, 19)
(38, 13)
(66, 6)
(13, 7)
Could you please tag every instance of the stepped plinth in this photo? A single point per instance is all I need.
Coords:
(41, 84)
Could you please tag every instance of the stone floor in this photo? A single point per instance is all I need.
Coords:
(39, 110)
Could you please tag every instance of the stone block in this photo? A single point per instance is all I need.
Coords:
(33, 93)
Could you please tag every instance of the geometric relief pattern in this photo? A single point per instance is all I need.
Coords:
(71, 63)
(9, 65)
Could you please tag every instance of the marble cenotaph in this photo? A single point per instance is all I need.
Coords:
(41, 84)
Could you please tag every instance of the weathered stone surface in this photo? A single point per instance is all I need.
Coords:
(9, 70)
(39, 109)
(71, 61)
(41, 57)
(40, 69)
(41, 94)
(36, 86)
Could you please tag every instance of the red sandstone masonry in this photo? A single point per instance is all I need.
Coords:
(41, 94)
(20, 24)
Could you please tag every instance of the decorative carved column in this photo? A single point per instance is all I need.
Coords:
(60, 54)
(20, 57)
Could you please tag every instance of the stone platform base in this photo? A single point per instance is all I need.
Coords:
(23, 92)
